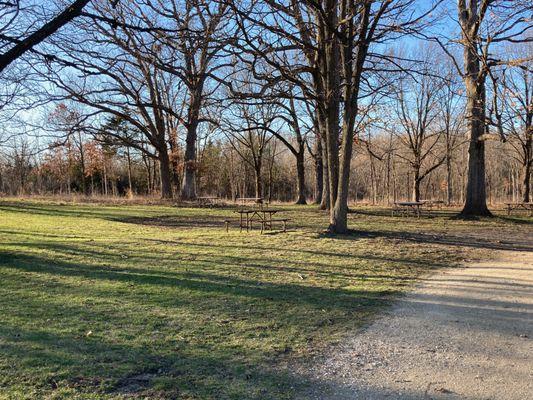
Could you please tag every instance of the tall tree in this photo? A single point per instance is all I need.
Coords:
(415, 107)
(516, 95)
(483, 25)
(324, 47)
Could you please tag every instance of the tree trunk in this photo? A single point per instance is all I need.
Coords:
(449, 183)
(188, 191)
(416, 184)
(416, 189)
(324, 202)
(476, 197)
(319, 172)
(258, 182)
(164, 175)
(527, 182)
(130, 185)
(300, 168)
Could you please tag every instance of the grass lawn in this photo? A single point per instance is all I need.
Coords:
(144, 301)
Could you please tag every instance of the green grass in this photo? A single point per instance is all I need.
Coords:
(140, 301)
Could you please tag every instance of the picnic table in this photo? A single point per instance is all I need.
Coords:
(528, 206)
(207, 200)
(405, 207)
(264, 216)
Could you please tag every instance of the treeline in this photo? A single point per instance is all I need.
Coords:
(377, 179)
(326, 101)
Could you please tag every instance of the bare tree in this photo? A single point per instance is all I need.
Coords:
(450, 121)
(250, 140)
(17, 44)
(483, 24)
(415, 107)
(516, 95)
(325, 48)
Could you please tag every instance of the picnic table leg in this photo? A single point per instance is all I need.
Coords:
(508, 209)
(284, 226)
(240, 223)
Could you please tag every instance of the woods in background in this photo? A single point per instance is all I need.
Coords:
(326, 101)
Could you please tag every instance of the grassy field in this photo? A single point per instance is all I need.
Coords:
(145, 301)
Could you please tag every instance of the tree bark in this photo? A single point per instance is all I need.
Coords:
(165, 176)
(130, 184)
(300, 168)
(325, 201)
(476, 197)
(258, 181)
(474, 79)
(416, 184)
(188, 191)
(527, 182)
(319, 172)
(416, 189)
(449, 182)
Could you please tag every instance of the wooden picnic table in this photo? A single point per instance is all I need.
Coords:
(263, 216)
(207, 200)
(528, 206)
(408, 206)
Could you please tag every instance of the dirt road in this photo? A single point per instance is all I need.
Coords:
(464, 333)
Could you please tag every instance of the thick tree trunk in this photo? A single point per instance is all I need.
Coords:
(164, 174)
(188, 191)
(476, 197)
(339, 215)
(300, 168)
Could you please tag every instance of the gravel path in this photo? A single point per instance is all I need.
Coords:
(465, 333)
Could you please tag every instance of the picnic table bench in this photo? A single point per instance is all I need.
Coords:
(519, 206)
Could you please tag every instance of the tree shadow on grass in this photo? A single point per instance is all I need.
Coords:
(95, 364)
(486, 241)
(317, 297)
